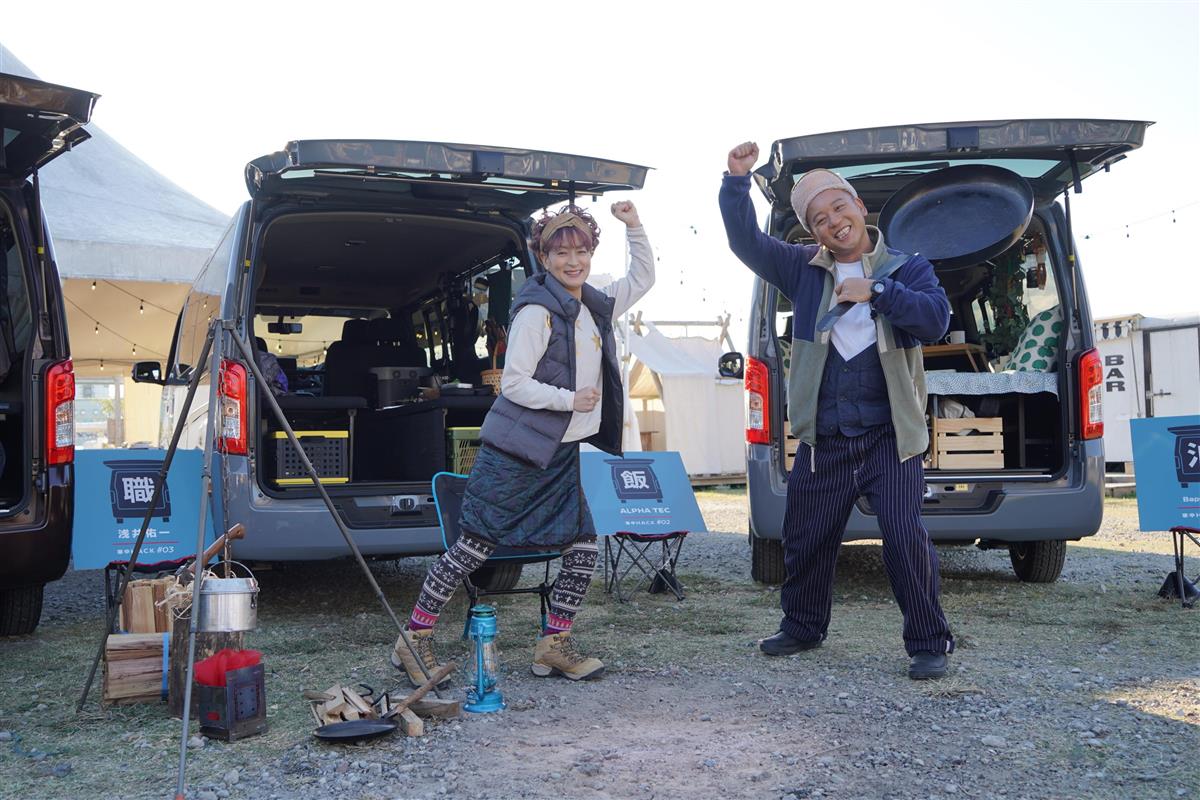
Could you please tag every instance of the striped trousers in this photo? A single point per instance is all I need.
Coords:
(822, 488)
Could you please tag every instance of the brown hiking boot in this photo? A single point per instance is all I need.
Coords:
(558, 654)
(422, 643)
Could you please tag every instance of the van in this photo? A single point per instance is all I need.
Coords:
(363, 275)
(1016, 458)
(40, 121)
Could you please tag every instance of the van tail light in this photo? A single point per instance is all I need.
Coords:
(60, 413)
(233, 408)
(758, 402)
(1091, 390)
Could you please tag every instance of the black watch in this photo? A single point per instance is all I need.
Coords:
(877, 289)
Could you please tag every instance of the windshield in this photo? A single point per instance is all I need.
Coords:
(1025, 167)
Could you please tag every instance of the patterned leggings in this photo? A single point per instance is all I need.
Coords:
(468, 555)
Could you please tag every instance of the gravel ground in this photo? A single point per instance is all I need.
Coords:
(1089, 687)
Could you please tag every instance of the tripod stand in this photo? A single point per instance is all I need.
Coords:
(220, 332)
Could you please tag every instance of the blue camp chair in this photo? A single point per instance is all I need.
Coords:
(448, 490)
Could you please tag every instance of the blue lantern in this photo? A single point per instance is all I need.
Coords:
(484, 696)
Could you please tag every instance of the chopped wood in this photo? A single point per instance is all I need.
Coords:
(133, 668)
(410, 723)
(437, 707)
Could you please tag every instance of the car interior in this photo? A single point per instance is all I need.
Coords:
(376, 323)
(16, 326)
(1000, 360)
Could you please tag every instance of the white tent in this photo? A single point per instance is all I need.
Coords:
(684, 405)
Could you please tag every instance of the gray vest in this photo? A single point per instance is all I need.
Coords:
(533, 434)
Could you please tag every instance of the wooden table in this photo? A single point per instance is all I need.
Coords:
(970, 351)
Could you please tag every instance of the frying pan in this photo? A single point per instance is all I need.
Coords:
(357, 729)
(959, 215)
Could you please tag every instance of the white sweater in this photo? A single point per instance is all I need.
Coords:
(529, 336)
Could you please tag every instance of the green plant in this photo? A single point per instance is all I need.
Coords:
(1005, 296)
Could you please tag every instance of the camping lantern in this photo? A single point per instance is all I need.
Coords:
(483, 696)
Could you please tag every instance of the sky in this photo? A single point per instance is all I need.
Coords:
(197, 90)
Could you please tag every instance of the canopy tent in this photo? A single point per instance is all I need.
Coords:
(141, 239)
(684, 405)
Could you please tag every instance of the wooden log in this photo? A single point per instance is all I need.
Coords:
(437, 707)
(410, 723)
(206, 645)
(133, 668)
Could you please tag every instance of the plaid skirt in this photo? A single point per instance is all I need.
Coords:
(512, 503)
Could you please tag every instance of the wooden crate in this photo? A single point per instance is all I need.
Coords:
(982, 448)
(133, 668)
(791, 445)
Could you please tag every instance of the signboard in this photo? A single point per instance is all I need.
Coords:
(645, 493)
(1166, 458)
(113, 489)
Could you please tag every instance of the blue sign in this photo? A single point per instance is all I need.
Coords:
(644, 493)
(1166, 459)
(113, 489)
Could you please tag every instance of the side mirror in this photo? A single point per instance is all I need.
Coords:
(147, 372)
(731, 365)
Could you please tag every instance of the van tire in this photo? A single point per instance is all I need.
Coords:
(499, 578)
(766, 560)
(1038, 562)
(20, 609)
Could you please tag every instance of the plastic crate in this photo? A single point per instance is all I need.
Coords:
(327, 450)
(462, 445)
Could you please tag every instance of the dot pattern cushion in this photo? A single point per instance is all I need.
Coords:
(1037, 351)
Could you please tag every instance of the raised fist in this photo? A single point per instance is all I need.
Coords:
(742, 158)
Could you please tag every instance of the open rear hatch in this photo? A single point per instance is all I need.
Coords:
(438, 174)
(1017, 427)
(38, 122)
(388, 238)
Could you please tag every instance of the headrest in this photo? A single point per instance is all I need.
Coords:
(356, 331)
(260, 344)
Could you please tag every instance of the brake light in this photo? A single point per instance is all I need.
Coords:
(758, 402)
(60, 413)
(233, 408)
(1091, 388)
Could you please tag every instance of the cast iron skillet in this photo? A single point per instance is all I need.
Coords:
(355, 730)
(959, 215)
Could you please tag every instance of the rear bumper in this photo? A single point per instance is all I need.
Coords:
(1068, 508)
(302, 529)
(35, 546)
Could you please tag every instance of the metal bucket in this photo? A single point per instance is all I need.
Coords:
(228, 605)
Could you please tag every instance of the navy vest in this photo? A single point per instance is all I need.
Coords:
(853, 396)
(534, 434)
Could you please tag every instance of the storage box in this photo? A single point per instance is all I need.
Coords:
(327, 450)
(462, 444)
(236, 710)
(968, 443)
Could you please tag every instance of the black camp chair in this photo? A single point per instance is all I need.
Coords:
(448, 490)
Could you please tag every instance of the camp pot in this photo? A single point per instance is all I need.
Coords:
(228, 604)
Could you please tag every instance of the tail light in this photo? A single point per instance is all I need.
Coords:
(1091, 390)
(60, 413)
(233, 408)
(758, 402)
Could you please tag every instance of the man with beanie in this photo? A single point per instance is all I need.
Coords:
(857, 408)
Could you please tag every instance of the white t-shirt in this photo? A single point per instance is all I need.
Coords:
(855, 330)
(529, 336)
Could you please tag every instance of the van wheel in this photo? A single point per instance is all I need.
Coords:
(1038, 562)
(498, 578)
(20, 609)
(766, 560)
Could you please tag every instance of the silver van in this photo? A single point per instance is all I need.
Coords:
(1016, 458)
(363, 275)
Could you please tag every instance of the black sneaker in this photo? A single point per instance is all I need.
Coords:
(927, 666)
(781, 644)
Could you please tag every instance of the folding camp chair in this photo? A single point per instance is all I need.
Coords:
(448, 490)
(658, 574)
(1177, 584)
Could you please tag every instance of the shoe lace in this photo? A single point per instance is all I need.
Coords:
(425, 651)
(570, 650)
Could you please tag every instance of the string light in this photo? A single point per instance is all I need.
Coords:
(93, 286)
(97, 331)
(135, 349)
(141, 307)
(102, 365)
